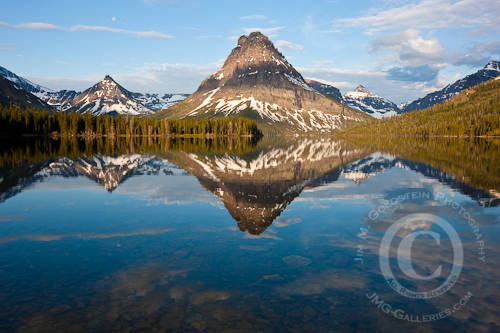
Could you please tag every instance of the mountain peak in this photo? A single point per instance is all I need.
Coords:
(493, 65)
(252, 55)
(362, 89)
(109, 80)
(258, 80)
(366, 101)
(107, 96)
(359, 93)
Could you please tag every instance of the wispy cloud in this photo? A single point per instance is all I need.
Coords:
(322, 63)
(38, 26)
(267, 31)
(49, 26)
(478, 54)
(254, 17)
(84, 236)
(147, 34)
(286, 45)
(429, 14)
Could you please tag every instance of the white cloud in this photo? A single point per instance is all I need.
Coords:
(286, 45)
(266, 31)
(113, 19)
(254, 17)
(181, 78)
(38, 26)
(409, 48)
(429, 14)
(152, 78)
(147, 34)
(478, 54)
(49, 26)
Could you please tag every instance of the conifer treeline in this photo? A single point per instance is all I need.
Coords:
(18, 121)
(473, 112)
(473, 161)
(21, 151)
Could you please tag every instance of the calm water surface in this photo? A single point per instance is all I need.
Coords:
(278, 236)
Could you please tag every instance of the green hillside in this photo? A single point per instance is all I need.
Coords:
(473, 112)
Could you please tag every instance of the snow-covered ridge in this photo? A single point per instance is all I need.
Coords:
(359, 93)
(62, 100)
(107, 170)
(366, 101)
(493, 65)
(305, 120)
(490, 71)
(107, 96)
(307, 150)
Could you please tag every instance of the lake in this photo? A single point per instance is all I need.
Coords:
(280, 235)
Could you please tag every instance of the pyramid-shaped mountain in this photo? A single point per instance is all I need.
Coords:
(107, 97)
(366, 101)
(257, 81)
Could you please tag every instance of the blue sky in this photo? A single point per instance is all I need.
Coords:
(398, 49)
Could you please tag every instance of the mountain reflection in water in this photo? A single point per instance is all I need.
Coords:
(255, 186)
(117, 236)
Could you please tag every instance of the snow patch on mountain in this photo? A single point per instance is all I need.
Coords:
(58, 99)
(490, 71)
(106, 97)
(366, 101)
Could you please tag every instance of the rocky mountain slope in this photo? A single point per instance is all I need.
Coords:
(366, 101)
(256, 81)
(53, 98)
(157, 102)
(325, 88)
(491, 70)
(107, 97)
(62, 99)
(256, 188)
(11, 93)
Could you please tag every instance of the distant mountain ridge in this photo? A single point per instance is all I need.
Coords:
(325, 88)
(51, 97)
(490, 71)
(11, 93)
(157, 102)
(361, 99)
(257, 81)
(366, 101)
(64, 100)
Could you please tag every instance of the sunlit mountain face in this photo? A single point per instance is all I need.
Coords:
(196, 235)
